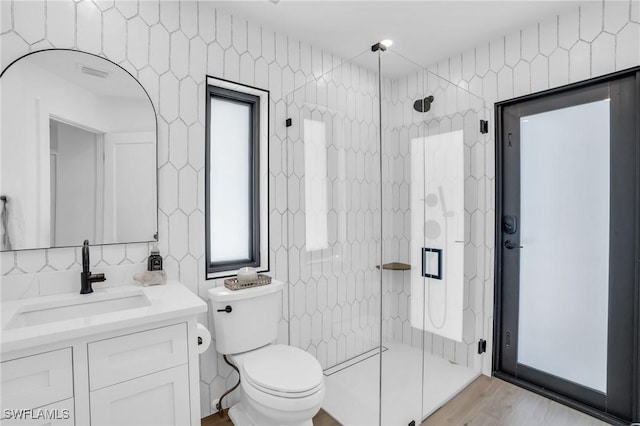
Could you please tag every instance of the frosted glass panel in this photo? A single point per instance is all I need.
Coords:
(229, 181)
(437, 220)
(315, 184)
(564, 262)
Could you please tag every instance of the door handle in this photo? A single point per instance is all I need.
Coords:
(437, 276)
(511, 245)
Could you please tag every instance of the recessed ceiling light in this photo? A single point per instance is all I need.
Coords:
(386, 43)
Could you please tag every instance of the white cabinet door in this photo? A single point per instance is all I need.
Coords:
(157, 399)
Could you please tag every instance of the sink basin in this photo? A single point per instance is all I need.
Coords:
(77, 306)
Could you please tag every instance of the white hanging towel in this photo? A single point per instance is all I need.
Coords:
(437, 227)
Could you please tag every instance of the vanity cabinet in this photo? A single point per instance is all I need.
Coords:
(139, 376)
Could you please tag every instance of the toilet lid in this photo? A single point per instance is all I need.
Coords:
(282, 368)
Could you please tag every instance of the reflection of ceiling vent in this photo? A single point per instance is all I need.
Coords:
(94, 72)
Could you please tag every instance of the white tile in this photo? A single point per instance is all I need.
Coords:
(231, 65)
(223, 29)
(29, 20)
(196, 146)
(159, 48)
(7, 262)
(178, 232)
(163, 140)
(205, 400)
(102, 4)
(215, 60)
(197, 59)
(189, 272)
(168, 96)
(128, 8)
(168, 195)
(539, 73)
(490, 87)
(579, 62)
(635, 11)
(522, 79)
(591, 21)
(468, 64)
(187, 190)
(178, 144)
(559, 68)
(207, 21)
(512, 49)
(268, 45)
(247, 71)
(170, 15)
(505, 83)
(114, 36)
(12, 48)
(61, 258)
(530, 45)
(549, 35)
(113, 254)
(179, 58)
(6, 16)
(89, 27)
(496, 54)
(189, 18)
(239, 34)
(568, 27)
(628, 46)
(455, 68)
(603, 52)
(188, 101)
(60, 23)
(482, 59)
(30, 260)
(282, 50)
(137, 253)
(150, 11)
(616, 15)
(196, 233)
(254, 41)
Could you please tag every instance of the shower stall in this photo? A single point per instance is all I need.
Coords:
(388, 260)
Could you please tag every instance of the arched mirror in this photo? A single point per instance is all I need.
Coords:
(78, 153)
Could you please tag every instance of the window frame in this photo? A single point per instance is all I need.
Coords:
(258, 101)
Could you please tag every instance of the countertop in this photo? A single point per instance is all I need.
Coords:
(170, 301)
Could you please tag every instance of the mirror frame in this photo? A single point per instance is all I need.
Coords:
(155, 116)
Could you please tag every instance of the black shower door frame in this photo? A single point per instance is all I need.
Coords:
(624, 300)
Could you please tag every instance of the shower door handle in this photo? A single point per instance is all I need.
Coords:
(426, 250)
(511, 245)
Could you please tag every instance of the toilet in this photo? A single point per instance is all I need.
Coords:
(279, 384)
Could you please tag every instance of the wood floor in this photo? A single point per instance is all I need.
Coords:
(486, 402)
(320, 419)
(493, 402)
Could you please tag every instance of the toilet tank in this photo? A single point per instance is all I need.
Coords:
(253, 318)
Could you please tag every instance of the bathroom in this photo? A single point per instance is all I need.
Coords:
(346, 123)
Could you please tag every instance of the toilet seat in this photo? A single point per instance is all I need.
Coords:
(282, 371)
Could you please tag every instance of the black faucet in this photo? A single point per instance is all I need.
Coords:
(86, 277)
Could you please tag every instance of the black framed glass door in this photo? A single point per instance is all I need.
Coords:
(567, 244)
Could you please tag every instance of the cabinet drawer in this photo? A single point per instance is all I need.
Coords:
(133, 355)
(159, 399)
(37, 380)
(58, 414)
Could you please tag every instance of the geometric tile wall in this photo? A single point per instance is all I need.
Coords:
(171, 46)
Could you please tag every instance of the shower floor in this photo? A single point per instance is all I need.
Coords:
(352, 392)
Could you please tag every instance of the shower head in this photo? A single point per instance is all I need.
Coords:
(423, 105)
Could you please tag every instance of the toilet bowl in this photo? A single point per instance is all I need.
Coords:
(279, 384)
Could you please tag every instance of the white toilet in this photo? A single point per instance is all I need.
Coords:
(280, 384)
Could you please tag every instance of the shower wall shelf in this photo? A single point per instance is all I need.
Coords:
(395, 266)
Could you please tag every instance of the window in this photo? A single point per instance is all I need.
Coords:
(236, 200)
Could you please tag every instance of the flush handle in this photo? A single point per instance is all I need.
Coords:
(226, 309)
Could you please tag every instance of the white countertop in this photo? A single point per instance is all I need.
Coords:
(170, 301)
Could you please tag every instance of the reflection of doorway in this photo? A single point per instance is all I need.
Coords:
(568, 241)
(76, 184)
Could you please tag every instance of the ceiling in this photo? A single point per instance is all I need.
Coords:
(424, 31)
